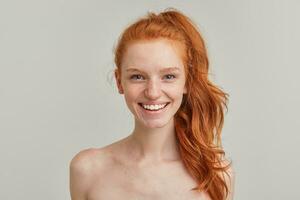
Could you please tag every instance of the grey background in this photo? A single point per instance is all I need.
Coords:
(57, 94)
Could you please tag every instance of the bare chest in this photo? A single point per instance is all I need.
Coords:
(160, 183)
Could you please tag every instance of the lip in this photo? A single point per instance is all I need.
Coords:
(153, 111)
(154, 103)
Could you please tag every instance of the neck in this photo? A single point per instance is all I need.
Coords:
(153, 145)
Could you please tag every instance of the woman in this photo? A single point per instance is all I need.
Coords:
(174, 151)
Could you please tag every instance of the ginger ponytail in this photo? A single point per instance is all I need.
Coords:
(199, 120)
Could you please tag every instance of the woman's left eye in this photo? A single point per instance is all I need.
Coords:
(170, 76)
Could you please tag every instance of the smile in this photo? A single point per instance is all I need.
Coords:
(154, 107)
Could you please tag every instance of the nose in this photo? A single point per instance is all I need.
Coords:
(153, 90)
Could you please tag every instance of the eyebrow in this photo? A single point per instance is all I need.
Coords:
(169, 69)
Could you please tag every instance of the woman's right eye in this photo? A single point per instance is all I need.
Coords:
(136, 77)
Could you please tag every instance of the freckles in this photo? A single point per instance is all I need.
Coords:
(178, 88)
(134, 91)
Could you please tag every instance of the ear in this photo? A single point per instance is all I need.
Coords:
(184, 90)
(118, 81)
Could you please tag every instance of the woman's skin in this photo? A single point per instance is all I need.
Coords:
(152, 74)
(146, 164)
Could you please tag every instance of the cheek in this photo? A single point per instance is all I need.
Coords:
(176, 90)
(131, 92)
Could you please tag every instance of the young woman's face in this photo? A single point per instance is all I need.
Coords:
(153, 81)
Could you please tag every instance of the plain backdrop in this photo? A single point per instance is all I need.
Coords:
(58, 95)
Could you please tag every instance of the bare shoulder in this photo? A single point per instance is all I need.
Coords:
(88, 161)
(84, 158)
(84, 167)
(229, 177)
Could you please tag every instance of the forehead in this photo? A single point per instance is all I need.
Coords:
(153, 54)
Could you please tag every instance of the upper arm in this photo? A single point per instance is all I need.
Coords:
(80, 175)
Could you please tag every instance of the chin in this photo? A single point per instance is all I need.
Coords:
(156, 124)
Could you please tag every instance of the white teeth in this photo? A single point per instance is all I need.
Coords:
(154, 107)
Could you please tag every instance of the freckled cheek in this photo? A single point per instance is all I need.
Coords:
(133, 91)
(175, 95)
(175, 90)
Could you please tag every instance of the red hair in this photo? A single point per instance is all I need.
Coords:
(199, 120)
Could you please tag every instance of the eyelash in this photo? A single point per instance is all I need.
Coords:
(135, 75)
